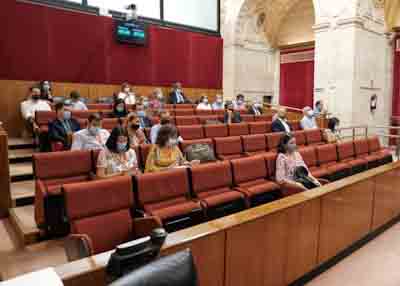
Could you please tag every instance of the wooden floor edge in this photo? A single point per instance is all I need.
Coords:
(26, 237)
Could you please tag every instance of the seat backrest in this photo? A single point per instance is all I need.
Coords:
(99, 106)
(44, 117)
(361, 146)
(374, 144)
(326, 153)
(216, 130)
(219, 112)
(270, 160)
(162, 186)
(164, 270)
(92, 206)
(254, 143)
(345, 150)
(247, 117)
(263, 117)
(109, 123)
(309, 155)
(228, 145)
(184, 112)
(144, 152)
(202, 112)
(314, 136)
(168, 106)
(209, 177)
(191, 132)
(204, 118)
(237, 129)
(300, 137)
(184, 106)
(62, 164)
(186, 120)
(273, 140)
(258, 127)
(269, 126)
(82, 114)
(294, 125)
(249, 169)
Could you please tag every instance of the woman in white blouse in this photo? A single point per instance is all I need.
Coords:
(204, 104)
(126, 94)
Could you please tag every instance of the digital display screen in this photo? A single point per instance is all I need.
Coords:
(131, 32)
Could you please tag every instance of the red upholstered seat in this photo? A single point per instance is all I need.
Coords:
(110, 123)
(184, 106)
(144, 150)
(346, 154)
(184, 112)
(191, 132)
(375, 149)
(187, 143)
(43, 118)
(250, 176)
(362, 152)
(309, 155)
(263, 117)
(186, 120)
(219, 112)
(52, 170)
(166, 196)
(99, 106)
(204, 118)
(327, 158)
(314, 137)
(300, 138)
(212, 185)
(258, 127)
(94, 205)
(237, 129)
(294, 125)
(228, 148)
(247, 117)
(202, 112)
(169, 107)
(254, 144)
(273, 140)
(216, 130)
(82, 114)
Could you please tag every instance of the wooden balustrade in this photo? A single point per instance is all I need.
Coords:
(276, 243)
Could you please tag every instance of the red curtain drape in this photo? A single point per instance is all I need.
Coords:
(297, 79)
(47, 43)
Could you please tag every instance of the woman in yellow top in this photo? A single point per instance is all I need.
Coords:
(165, 154)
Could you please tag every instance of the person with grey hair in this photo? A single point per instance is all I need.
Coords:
(308, 121)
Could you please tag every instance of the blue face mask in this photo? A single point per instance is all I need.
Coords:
(121, 147)
(94, 130)
(141, 113)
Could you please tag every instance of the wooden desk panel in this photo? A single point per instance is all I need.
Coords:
(387, 198)
(346, 216)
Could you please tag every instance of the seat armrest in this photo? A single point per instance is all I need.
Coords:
(291, 189)
(78, 246)
(144, 226)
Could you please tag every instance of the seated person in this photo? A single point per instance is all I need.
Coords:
(30, 106)
(203, 104)
(165, 154)
(280, 123)
(144, 120)
(219, 103)
(126, 94)
(76, 103)
(231, 115)
(239, 103)
(119, 109)
(117, 159)
(45, 91)
(319, 108)
(308, 121)
(136, 135)
(177, 96)
(165, 118)
(332, 134)
(156, 99)
(145, 102)
(287, 161)
(62, 129)
(256, 108)
(91, 138)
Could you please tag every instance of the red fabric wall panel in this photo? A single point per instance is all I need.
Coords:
(59, 45)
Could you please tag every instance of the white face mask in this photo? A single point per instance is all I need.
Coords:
(219, 100)
(310, 113)
(205, 100)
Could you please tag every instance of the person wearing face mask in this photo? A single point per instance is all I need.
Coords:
(144, 120)
(117, 159)
(165, 154)
(156, 99)
(332, 134)
(62, 129)
(286, 163)
(204, 105)
(91, 138)
(256, 108)
(231, 115)
(29, 108)
(308, 121)
(177, 96)
(76, 103)
(119, 109)
(136, 135)
(126, 94)
(239, 103)
(45, 91)
(280, 123)
(219, 103)
(165, 118)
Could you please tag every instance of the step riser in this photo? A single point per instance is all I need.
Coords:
(20, 178)
(20, 160)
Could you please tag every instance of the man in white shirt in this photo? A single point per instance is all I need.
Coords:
(91, 138)
(76, 103)
(127, 95)
(239, 103)
(308, 121)
(219, 103)
(31, 105)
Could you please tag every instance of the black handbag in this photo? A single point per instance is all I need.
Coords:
(301, 176)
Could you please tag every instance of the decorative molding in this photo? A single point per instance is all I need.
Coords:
(310, 44)
(352, 22)
(298, 57)
(322, 27)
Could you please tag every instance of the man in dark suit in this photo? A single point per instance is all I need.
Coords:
(256, 108)
(177, 96)
(62, 129)
(231, 115)
(280, 124)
